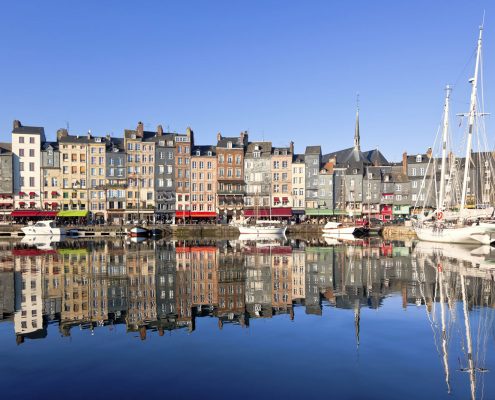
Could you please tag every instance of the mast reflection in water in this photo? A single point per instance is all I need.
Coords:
(332, 316)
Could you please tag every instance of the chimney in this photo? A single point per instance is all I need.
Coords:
(17, 124)
(190, 135)
(89, 134)
(61, 133)
(140, 130)
(429, 152)
(159, 130)
(291, 147)
(219, 136)
(404, 163)
(108, 137)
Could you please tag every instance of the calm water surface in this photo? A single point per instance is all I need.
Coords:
(242, 319)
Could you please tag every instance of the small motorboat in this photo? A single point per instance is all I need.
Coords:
(337, 229)
(138, 231)
(47, 227)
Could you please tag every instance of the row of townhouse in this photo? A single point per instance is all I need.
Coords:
(165, 177)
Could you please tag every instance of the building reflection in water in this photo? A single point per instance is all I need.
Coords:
(164, 286)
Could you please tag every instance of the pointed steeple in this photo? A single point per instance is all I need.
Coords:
(357, 139)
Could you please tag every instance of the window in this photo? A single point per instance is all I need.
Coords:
(31, 140)
(31, 181)
(419, 158)
(31, 152)
(21, 139)
(21, 166)
(21, 152)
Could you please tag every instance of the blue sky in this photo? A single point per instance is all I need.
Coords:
(283, 70)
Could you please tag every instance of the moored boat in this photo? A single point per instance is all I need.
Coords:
(47, 227)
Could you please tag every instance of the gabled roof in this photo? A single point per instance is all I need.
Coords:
(147, 135)
(375, 157)
(49, 145)
(346, 156)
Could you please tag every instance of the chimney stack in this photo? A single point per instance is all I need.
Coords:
(140, 130)
(404, 163)
(159, 131)
(17, 124)
(219, 136)
(291, 147)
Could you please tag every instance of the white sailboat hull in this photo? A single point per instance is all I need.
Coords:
(462, 235)
(349, 230)
(262, 230)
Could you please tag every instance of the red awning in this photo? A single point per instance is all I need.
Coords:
(203, 214)
(285, 199)
(22, 203)
(31, 252)
(30, 213)
(32, 202)
(276, 200)
(54, 204)
(21, 193)
(265, 212)
(54, 193)
(32, 194)
(182, 214)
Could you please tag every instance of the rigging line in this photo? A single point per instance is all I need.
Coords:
(469, 60)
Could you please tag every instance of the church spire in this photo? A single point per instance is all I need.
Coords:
(357, 139)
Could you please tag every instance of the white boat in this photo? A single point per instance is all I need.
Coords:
(461, 226)
(262, 227)
(244, 237)
(43, 242)
(440, 233)
(337, 229)
(47, 227)
(138, 231)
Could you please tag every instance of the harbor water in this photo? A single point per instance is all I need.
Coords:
(314, 318)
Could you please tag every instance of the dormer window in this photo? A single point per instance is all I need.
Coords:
(170, 143)
(276, 152)
(98, 140)
(115, 150)
(355, 171)
(161, 143)
(133, 136)
(370, 175)
(419, 158)
(386, 178)
(198, 153)
(256, 154)
(229, 145)
(209, 153)
(256, 147)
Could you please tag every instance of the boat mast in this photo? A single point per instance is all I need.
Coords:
(444, 147)
(472, 115)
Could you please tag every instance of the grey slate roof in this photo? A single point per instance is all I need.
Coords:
(236, 142)
(46, 145)
(5, 148)
(264, 147)
(203, 150)
(32, 130)
(313, 150)
(298, 158)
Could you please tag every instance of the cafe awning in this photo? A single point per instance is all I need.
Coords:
(266, 212)
(182, 214)
(203, 214)
(72, 213)
(31, 213)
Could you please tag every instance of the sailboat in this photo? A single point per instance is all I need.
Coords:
(260, 226)
(137, 230)
(457, 226)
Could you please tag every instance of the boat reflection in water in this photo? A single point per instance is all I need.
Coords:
(157, 286)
